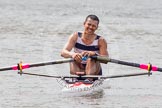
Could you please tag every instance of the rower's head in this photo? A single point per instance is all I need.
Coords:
(92, 17)
(91, 23)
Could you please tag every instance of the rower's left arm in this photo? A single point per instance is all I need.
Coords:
(103, 47)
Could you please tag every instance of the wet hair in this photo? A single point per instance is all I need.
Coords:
(93, 17)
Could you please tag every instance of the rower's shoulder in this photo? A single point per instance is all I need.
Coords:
(101, 39)
(77, 33)
(74, 36)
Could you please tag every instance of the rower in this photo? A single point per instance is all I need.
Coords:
(86, 43)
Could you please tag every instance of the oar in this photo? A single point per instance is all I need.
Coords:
(21, 66)
(148, 67)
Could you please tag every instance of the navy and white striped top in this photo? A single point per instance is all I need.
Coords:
(80, 46)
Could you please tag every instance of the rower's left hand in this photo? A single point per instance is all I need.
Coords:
(88, 53)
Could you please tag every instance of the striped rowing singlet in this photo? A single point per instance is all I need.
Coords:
(80, 46)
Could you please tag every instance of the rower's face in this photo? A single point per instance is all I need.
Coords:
(90, 26)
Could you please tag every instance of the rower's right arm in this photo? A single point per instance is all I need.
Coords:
(66, 51)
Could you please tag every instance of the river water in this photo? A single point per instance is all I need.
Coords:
(36, 30)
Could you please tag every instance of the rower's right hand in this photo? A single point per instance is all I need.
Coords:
(77, 57)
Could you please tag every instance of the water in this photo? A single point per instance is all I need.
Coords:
(35, 31)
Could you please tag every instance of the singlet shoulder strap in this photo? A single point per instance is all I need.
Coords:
(97, 37)
(79, 34)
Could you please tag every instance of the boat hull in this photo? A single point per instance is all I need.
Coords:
(82, 86)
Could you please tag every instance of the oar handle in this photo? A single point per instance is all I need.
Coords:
(102, 59)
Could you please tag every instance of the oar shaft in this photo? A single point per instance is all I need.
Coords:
(141, 66)
(124, 63)
(51, 62)
(6, 68)
(24, 66)
(104, 59)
